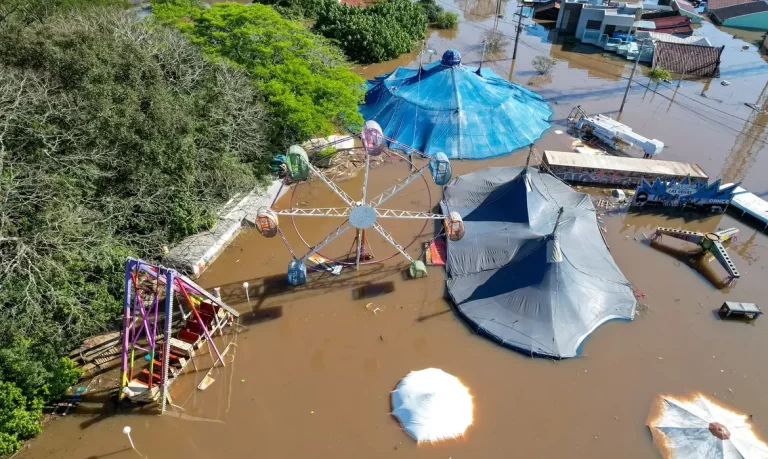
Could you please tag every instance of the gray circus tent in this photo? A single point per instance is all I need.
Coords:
(532, 271)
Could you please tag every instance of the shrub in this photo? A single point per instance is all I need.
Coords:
(29, 379)
(437, 16)
(381, 32)
(495, 41)
(543, 64)
(447, 20)
(657, 74)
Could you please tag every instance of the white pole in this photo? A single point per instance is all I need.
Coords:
(247, 295)
(127, 432)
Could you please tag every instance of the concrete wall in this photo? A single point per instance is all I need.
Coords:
(588, 14)
(569, 14)
(756, 21)
(622, 23)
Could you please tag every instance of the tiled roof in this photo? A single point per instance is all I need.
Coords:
(729, 12)
(672, 24)
(692, 40)
(715, 4)
(695, 60)
(360, 3)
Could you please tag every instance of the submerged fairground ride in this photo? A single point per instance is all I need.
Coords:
(167, 317)
(709, 243)
(363, 214)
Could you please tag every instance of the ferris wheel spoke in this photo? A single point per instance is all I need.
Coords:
(365, 178)
(392, 213)
(359, 247)
(385, 196)
(321, 212)
(328, 239)
(341, 193)
(392, 241)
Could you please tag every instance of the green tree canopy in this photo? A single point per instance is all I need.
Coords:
(115, 139)
(307, 84)
(381, 32)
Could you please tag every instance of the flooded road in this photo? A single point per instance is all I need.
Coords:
(313, 371)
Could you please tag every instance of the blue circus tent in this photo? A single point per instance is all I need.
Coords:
(448, 107)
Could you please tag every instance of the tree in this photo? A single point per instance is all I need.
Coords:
(307, 85)
(116, 138)
(381, 32)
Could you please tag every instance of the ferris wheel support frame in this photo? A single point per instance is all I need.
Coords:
(362, 214)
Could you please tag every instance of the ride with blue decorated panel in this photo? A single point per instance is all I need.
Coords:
(373, 138)
(266, 221)
(440, 167)
(297, 162)
(297, 272)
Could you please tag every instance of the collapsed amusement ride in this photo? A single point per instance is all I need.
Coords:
(363, 214)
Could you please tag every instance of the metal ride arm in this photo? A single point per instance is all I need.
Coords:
(344, 212)
(334, 234)
(392, 213)
(392, 241)
(689, 236)
(344, 196)
(727, 234)
(719, 252)
(324, 212)
(384, 197)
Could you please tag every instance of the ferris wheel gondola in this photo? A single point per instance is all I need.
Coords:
(361, 215)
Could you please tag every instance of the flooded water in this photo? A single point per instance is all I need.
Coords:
(313, 371)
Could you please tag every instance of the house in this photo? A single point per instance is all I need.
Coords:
(686, 9)
(752, 15)
(548, 9)
(688, 59)
(590, 21)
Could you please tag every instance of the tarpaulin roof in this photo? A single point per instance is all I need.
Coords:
(447, 107)
(527, 274)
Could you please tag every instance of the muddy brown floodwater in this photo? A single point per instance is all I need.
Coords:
(313, 371)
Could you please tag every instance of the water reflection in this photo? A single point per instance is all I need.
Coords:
(748, 143)
(478, 10)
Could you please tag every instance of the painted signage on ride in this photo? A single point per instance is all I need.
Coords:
(683, 194)
(620, 179)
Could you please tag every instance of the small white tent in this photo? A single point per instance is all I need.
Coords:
(699, 428)
(432, 405)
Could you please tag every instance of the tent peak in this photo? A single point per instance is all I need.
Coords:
(451, 58)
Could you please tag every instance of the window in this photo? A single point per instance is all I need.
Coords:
(594, 25)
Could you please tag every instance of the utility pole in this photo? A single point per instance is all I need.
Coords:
(520, 18)
(482, 57)
(631, 75)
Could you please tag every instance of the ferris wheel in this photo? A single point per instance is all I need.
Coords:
(360, 215)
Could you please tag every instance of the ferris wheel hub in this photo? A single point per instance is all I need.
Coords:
(362, 216)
